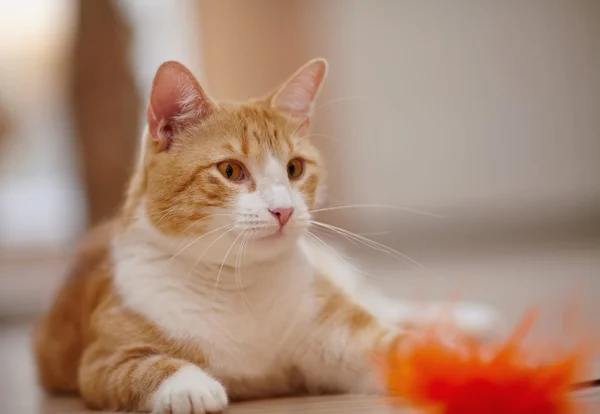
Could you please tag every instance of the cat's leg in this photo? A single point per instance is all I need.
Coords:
(479, 320)
(136, 378)
(339, 360)
(339, 354)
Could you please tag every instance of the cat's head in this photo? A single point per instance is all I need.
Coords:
(246, 171)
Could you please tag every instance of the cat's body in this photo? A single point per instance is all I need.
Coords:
(259, 327)
(289, 331)
(206, 287)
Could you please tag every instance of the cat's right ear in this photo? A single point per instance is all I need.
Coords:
(177, 102)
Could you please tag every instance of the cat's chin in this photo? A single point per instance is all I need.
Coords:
(280, 235)
(274, 237)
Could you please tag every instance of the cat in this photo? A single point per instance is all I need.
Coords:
(205, 288)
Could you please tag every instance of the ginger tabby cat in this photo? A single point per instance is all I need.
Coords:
(205, 288)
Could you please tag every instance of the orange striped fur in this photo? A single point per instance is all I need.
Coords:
(195, 294)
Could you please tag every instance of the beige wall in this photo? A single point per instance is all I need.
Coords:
(468, 108)
(475, 101)
(249, 46)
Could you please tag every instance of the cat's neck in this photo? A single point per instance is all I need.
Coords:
(188, 295)
(213, 260)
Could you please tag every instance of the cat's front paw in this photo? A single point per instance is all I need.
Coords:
(190, 390)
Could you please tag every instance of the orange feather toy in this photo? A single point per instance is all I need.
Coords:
(441, 371)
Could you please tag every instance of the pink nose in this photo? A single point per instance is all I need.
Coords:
(282, 214)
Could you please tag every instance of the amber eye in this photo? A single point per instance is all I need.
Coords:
(231, 170)
(295, 168)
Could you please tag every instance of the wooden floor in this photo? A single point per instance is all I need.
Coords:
(19, 395)
(511, 282)
(317, 405)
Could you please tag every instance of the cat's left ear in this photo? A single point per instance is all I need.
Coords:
(296, 97)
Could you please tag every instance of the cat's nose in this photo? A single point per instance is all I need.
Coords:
(282, 214)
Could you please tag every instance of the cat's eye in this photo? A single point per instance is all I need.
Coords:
(295, 168)
(231, 170)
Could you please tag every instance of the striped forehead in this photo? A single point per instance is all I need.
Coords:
(263, 136)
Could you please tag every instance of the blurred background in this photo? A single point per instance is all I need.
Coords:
(486, 113)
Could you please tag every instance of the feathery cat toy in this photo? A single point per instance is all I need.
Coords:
(442, 371)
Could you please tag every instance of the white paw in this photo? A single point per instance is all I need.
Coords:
(474, 319)
(189, 391)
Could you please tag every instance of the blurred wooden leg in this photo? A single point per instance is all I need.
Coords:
(105, 103)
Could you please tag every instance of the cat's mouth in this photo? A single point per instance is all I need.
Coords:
(275, 233)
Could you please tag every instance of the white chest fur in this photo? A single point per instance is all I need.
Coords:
(244, 333)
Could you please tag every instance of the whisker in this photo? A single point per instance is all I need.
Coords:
(297, 126)
(376, 246)
(338, 234)
(350, 236)
(209, 246)
(239, 255)
(339, 255)
(187, 237)
(205, 218)
(179, 251)
(221, 268)
(407, 209)
(337, 100)
(238, 275)
(374, 233)
(169, 210)
(347, 238)
(172, 208)
(238, 261)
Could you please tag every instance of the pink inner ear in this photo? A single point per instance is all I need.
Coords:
(298, 95)
(176, 100)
